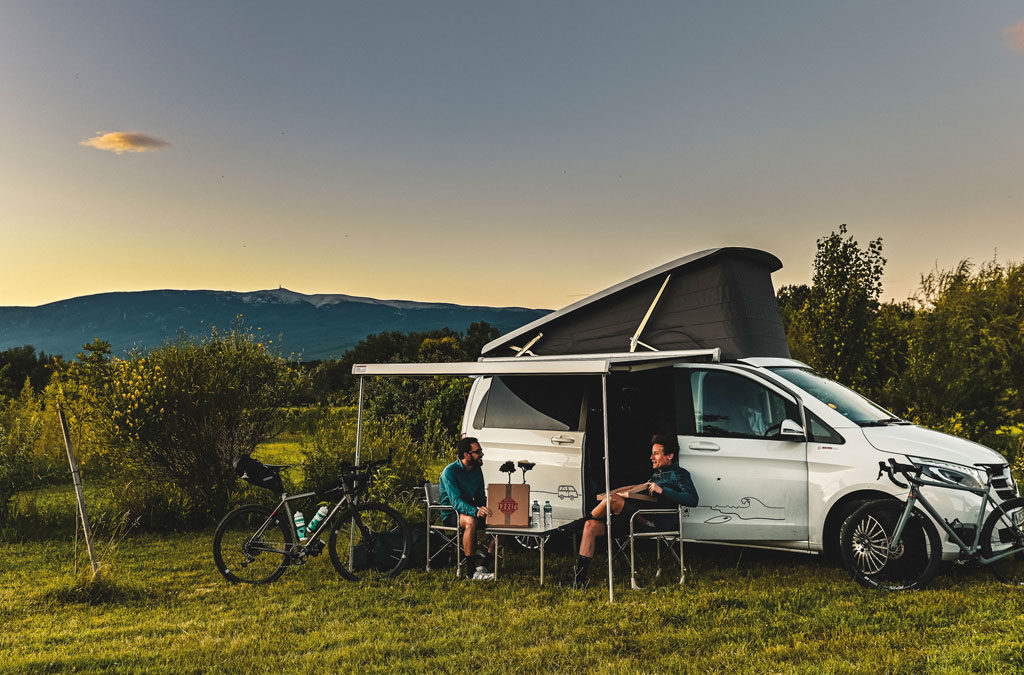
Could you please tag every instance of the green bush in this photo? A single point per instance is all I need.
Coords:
(334, 441)
(175, 419)
(24, 463)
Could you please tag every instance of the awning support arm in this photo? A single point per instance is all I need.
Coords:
(635, 340)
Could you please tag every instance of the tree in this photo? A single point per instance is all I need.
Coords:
(965, 366)
(842, 306)
(21, 426)
(18, 364)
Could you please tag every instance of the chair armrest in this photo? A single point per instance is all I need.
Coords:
(643, 512)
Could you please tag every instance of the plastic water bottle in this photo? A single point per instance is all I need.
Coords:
(547, 515)
(318, 518)
(535, 514)
(300, 525)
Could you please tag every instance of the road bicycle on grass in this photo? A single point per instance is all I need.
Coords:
(255, 544)
(892, 545)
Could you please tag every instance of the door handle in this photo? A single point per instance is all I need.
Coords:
(703, 445)
(563, 440)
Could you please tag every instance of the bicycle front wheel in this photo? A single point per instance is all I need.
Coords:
(369, 539)
(251, 545)
(865, 544)
(1003, 533)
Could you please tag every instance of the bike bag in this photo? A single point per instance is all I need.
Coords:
(257, 473)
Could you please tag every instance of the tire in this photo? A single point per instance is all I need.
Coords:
(379, 539)
(244, 558)
(864, 543)
(1001, 533)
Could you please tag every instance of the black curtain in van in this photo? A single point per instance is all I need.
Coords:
(717, 298)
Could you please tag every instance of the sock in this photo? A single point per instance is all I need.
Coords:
(582, 566)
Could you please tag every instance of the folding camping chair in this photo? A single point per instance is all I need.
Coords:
(663, 536)
(450, 535)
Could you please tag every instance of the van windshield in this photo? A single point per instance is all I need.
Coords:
(849, 403)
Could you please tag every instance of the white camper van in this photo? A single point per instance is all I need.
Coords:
(779, 454)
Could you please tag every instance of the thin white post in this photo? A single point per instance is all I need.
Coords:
(607, 487)
(76, 478)
(359, 445)
(359, 421)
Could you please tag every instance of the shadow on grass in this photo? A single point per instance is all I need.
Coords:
(103, 589)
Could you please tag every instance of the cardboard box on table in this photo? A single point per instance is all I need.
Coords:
(509, 504)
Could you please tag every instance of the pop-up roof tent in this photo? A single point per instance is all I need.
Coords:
(710, 305)
(719, 298)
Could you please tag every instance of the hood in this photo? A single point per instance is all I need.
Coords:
(918, 441)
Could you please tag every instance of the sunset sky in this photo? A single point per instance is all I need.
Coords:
(516, 153)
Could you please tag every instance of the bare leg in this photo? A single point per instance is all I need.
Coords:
(468, 524)
(470, 530)
(617, 504)
(592, 529)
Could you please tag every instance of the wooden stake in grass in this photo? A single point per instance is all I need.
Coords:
(76, 477)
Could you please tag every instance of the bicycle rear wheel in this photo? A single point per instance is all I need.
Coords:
(864, 543)
(251, 545)
(1003, 532)
(369, 539)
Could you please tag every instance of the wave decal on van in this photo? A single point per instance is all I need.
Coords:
(751, 508)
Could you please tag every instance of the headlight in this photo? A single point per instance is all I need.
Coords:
(947, 472)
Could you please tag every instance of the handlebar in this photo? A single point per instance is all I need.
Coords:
(356, 479)
(895, 467)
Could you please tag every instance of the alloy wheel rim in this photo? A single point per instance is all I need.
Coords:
(871, 546)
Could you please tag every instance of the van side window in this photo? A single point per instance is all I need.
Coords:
(481, 410)
(821, 432)
(725, 404)
(546, 403)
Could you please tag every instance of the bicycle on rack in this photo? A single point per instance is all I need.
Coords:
(890, 544)
(255, 544)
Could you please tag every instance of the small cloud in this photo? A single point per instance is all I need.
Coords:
(1015, 36)
(125, 141)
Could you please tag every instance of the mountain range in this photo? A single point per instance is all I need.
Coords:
(309, 327)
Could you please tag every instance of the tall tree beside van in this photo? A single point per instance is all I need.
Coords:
(842, 308)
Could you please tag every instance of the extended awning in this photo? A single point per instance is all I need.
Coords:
(567, 364)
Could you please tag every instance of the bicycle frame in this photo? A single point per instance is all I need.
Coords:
(301, 546)
(915, 496)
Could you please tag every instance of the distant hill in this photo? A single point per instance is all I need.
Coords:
(310, 326)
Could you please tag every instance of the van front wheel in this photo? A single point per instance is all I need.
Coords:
(865, 543)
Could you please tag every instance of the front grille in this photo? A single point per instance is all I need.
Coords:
(1002, 485)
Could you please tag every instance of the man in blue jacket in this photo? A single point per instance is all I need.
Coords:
(462, 488)
(670, 485)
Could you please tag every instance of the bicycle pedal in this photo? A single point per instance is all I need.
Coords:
(315, 548)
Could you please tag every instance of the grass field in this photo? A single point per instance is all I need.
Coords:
(169, 611)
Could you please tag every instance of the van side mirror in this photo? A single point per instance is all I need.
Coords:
(787, 430)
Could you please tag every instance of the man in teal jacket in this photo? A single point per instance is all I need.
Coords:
(462, 488)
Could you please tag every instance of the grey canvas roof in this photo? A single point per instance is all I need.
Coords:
(718, 298)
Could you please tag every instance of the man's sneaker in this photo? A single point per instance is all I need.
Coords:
(483, 574)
